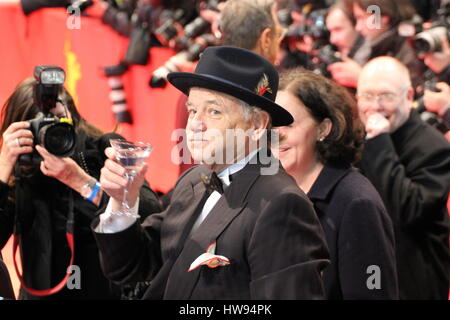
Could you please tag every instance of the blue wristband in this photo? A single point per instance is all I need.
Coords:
(94, 191)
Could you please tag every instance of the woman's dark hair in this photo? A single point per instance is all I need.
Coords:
(20, 107)
(323, 99)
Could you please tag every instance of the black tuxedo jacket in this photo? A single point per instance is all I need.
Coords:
(264, 224)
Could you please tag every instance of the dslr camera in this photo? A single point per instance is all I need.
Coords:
(57, 135)
(430, 40)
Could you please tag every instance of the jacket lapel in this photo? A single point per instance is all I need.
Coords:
(181, 282)
(185, 210)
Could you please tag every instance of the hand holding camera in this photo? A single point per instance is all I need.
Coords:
(346, 73)
(17, 140)
(65, 169)
(438, 102)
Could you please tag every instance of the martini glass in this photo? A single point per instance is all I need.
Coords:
(131, 155)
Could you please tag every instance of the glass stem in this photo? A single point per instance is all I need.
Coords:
(125, 205)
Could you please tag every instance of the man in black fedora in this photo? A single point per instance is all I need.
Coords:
(237, 227)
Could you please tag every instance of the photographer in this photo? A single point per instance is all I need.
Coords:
(381, 38)
(37, 199)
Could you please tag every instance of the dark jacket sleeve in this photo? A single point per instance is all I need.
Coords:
(287, 264)
(6, 214)
(132, 255)
(410, 195)
(366, 258)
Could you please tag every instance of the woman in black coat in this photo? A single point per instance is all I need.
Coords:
(36, 199)
(318, 150)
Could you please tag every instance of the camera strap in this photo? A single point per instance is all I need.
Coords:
(70, 241)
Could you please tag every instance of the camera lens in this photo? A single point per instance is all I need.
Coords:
(430, 40)
(58, 139)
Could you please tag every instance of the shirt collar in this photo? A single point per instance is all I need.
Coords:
(225, 174)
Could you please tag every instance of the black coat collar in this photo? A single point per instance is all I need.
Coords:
(326, 181)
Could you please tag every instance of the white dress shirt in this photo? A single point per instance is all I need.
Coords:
(112, 223)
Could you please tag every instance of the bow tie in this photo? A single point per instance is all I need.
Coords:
(212, 182)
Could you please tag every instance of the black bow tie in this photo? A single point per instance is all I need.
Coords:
(212, 182)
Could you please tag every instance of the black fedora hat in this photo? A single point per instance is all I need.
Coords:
(239, 73)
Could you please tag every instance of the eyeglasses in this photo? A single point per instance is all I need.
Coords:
(385, 97)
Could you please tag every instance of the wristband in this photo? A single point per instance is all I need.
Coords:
(94, 191)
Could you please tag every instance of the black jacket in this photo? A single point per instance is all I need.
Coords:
(41, 208)
(410, 168)
(359, 235)
(264, 224)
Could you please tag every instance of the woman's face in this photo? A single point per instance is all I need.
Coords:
(60, 110)
(297, 141)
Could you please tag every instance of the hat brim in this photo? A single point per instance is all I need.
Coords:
(184, 81)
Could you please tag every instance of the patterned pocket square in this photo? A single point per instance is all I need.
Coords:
(209, 259)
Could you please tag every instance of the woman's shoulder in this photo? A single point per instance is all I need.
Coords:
(354, 186)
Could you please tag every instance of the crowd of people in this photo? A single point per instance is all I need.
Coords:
(320, 176)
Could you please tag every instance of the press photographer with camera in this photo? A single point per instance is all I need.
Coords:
(381, 38)
(50, 163)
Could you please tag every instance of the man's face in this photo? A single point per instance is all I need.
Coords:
(213, 135)
(385, 93)
(342, 32)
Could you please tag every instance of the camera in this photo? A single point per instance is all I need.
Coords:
(430, 40)
(193, 29)
(329, 55)
(57, 135)
(192, 53)
(314, 26)
(171, 27)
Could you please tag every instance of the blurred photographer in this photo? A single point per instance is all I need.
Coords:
(341, 25)
(49, 200)
(306, 32)
(381, 38)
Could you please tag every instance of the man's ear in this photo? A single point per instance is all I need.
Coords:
(260, 123)
(264, 40)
